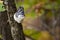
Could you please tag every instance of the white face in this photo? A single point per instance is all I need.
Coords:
(19, 18)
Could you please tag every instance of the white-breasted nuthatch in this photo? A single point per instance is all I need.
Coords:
(19, 15)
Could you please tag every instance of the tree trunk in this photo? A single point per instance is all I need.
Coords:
(4, 26)
(16, 29)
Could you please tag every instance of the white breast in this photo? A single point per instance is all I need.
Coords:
(19, 18)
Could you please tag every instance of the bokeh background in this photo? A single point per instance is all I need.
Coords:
(41, 19)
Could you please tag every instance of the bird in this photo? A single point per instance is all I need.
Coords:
(19, 15)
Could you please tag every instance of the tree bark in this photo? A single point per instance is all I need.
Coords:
(5, 30)
(16, 29)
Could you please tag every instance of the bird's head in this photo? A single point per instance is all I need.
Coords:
(19, 15)
(21, 10)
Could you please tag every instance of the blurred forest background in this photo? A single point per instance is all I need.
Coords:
(42, 19)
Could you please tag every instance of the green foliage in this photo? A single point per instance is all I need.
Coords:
(36, 35)
(28, 31)
(31, 14)
(58, 1)
(1, 8)
(32, 33)
(0, 36)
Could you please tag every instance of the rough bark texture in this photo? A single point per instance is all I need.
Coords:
(16, 29)
(4, 26)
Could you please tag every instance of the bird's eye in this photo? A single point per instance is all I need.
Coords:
(20, 9)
